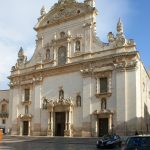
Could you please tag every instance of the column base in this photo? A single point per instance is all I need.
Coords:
(68, 133)
(50, 132)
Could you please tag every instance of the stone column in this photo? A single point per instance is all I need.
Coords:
(29, 128)
(49, 122)
(98, 85)
(52, 124)
(109, 84)
(111, 125)
(66, 124)
(68, 50)
(96, 127)
(21, 128)
(69, 120)
(55, 57)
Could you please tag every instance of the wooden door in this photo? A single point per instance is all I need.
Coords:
(59, 123)
(103, 126)
(25, 127)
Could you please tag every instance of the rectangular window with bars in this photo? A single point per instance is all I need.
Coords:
(27, 94)
(3, 121)
(103, 85)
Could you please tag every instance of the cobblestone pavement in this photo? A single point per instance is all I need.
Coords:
(38, 143)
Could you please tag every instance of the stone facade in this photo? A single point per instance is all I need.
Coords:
(76, 85)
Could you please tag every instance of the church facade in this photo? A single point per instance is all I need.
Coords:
(76, 85)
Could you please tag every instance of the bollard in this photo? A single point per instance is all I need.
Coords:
(1, 135)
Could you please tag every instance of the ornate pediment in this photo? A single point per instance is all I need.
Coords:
(4, 101)
(57, 102)
(62, 11)
(25, 116)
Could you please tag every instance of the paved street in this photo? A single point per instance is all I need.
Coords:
(59, 143)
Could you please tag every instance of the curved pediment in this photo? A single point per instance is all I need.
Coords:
(63, 11)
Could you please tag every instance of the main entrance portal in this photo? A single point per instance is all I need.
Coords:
(59, 123)
(103, 126)
(25, 127)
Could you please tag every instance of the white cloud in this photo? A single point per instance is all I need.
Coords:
(19, 17)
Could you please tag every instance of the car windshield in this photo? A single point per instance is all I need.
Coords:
(105, 137)
(138, 141)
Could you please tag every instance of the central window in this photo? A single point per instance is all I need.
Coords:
(62, 55)
(103, 85)
(27, 94)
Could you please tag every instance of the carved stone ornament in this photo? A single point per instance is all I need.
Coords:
(62, 11)
(120, 41)
(25, 116)
(4, 101)
(103, 111)
(111, 37)
(22, 59)
(59, 102)
(43, 11)
(128, 65)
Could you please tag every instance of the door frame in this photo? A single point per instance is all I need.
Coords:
(99, 128)
(62, 123)
(25, 127)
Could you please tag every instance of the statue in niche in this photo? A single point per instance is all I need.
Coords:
(78, 100)
(47, 54)
(103, 103)
(77, 46)
(61, 94)
(45, 104)
(62, 35)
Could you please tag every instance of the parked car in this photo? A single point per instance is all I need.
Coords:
(109, 141)
(137, 143)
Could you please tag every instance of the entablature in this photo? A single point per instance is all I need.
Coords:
(90, 67)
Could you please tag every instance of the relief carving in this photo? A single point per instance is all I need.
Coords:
(59, 12)
(119, 40)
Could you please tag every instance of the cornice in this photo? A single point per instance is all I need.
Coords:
(73, 65)
(119, 62)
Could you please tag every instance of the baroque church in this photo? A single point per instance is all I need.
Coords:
(75, 84)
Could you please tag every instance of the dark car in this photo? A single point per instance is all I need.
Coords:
(137, 143)
(109, 141)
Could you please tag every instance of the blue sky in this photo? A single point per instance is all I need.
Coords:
(18, 17)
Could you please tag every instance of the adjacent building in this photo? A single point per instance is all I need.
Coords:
(4, 110)
(75, 84)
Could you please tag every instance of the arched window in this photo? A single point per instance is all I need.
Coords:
(78, 101)
(103, 103)
(62, 35)
(62, 55)
(47, 54)
(77, 46)
(61, 94)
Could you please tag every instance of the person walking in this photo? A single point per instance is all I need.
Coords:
(1, 135)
